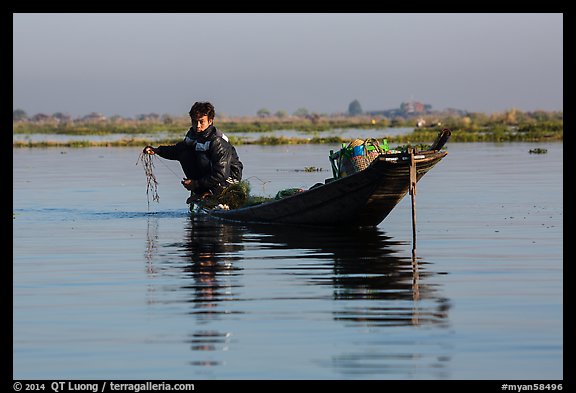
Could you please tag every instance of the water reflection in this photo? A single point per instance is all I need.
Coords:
(365, 266)
(206, 259)
(151, 244)
(210, 250)
(363, 272)
(375, 290)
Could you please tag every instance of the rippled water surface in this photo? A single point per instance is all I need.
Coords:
(109, 286)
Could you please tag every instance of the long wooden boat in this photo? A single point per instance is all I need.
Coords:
(362, 199)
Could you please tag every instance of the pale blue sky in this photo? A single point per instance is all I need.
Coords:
(129, 64)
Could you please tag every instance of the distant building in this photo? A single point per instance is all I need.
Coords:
(415, 110)
(412, 107)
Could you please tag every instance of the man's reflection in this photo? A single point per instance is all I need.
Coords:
(210, 250)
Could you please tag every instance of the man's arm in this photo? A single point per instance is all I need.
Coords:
(169, 152)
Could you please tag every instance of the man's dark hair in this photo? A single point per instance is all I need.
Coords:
(200, 109)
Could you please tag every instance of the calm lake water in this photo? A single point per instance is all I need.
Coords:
(109, 286)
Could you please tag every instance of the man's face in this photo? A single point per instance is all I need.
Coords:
(201, 123)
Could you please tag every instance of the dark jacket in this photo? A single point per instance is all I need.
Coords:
(207, 157)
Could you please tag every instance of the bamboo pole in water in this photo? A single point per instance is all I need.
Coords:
(413, 197)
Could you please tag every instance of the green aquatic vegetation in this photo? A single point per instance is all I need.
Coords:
(256, 200)
(312, 169)
(550, 131)
(538, 150)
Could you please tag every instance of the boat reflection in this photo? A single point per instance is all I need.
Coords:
(375, 289)
(366, 265)
(364, 271)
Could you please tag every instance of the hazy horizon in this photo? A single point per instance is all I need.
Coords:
(131, 64)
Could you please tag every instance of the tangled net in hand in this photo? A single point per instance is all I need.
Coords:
(151, 183)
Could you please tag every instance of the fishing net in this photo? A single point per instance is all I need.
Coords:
(151, 183)
(233, 196)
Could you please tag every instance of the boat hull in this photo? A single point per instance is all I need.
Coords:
(362, 199)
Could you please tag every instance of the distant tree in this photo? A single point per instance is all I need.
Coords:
(398, 121)
(281, 113)
(62, 117)
(479, 119)
(511, 116)
(167, 119)
(40, 117)
(301, 112)
(263, 112)
(93, 117)
(541, 115)
(313, 117)
(384, 122)
(466, 122)
(148, 116)
(354, 109)
(19, 114)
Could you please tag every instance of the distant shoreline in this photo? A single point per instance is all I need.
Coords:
(510, 126)
(417, 136)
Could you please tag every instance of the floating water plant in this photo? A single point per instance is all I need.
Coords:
(538, 150)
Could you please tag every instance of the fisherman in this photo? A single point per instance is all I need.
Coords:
(207, 157)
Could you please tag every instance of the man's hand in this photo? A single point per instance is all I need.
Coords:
(149, 150)
(189, 184)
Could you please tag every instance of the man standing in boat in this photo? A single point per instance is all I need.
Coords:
(207, 157)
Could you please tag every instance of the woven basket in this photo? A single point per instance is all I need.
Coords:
(355, 164)
(350, 163)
